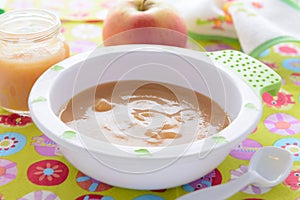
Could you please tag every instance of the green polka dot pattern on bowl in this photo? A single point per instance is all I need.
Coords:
(219, 139)
(142, 152)
(57, 68)
(39, 99)
(69, 135)
(256, 74)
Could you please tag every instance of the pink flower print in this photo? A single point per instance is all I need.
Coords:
(282, 124)
(8, 171)
(287, 49)
(40, 195)
(47, 172)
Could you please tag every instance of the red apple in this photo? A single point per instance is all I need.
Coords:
(144, 22)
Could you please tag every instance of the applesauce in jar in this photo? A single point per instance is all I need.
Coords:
(30, 43)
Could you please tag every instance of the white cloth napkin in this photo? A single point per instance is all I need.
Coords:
(253, 22)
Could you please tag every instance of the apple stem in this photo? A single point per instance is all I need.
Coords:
(141, 8)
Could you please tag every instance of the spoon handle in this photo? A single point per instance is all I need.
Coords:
(222, 191)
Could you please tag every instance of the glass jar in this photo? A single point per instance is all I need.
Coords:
(30, 43)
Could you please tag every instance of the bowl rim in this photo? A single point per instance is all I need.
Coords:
(50, 124)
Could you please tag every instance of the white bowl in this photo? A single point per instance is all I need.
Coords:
(151, 167)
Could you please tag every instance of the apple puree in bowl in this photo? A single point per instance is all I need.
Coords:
(141, 113)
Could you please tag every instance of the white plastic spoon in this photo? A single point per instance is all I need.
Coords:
(268, 167)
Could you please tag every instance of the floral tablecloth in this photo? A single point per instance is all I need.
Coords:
(33, 168)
